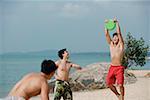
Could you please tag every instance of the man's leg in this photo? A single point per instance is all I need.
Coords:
(121, 87)
(67, 94)
(111, 79)
(57, 94)
(120, 81)
(58, 91)
(114, 90)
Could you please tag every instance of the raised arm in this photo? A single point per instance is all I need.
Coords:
(119, 32)
(108, 38)
(63, 62)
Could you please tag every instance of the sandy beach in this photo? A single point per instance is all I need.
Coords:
(137, 91)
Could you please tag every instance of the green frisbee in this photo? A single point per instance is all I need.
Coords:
(110, 25)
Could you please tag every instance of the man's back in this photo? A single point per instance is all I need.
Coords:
(28, 86)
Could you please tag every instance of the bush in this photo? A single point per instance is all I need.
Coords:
(135, 53)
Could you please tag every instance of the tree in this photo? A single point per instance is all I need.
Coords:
(136, 51)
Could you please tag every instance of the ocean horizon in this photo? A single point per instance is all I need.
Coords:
(13, 66)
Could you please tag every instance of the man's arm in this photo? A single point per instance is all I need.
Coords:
(44, 91)
(108, 38)
(63, 62)
(57, 63)
(119, 32)
(76, 66)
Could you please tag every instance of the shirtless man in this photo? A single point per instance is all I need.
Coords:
(116, 70)
(34, 83)
(62, 86)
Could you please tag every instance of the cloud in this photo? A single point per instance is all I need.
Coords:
(74, 10)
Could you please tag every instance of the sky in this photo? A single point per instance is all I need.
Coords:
(78, 25)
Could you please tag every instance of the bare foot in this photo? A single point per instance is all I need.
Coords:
(122, 97)
(119, 97)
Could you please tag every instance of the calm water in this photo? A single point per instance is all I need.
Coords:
(13, 67)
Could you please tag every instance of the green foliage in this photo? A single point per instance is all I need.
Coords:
(136, 51)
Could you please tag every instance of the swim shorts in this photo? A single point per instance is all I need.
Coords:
(115, 75)
(62, 89)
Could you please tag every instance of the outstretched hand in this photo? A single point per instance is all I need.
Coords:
(115, 20)
(106, 20)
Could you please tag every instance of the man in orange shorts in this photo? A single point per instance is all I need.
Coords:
(116, 70)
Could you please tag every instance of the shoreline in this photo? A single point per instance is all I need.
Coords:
(136, 91)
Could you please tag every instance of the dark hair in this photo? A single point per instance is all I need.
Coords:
(115, 34)
(48, 66)
(61, 52)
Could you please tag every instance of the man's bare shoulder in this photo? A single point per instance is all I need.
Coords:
(111, 44)
(34, 76)
(35, 80)
(31, 75)
(57, 62)
(27, 76)
(121, 43)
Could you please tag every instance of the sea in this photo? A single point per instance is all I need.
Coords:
(14, 66)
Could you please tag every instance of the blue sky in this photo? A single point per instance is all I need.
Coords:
(34, 25)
